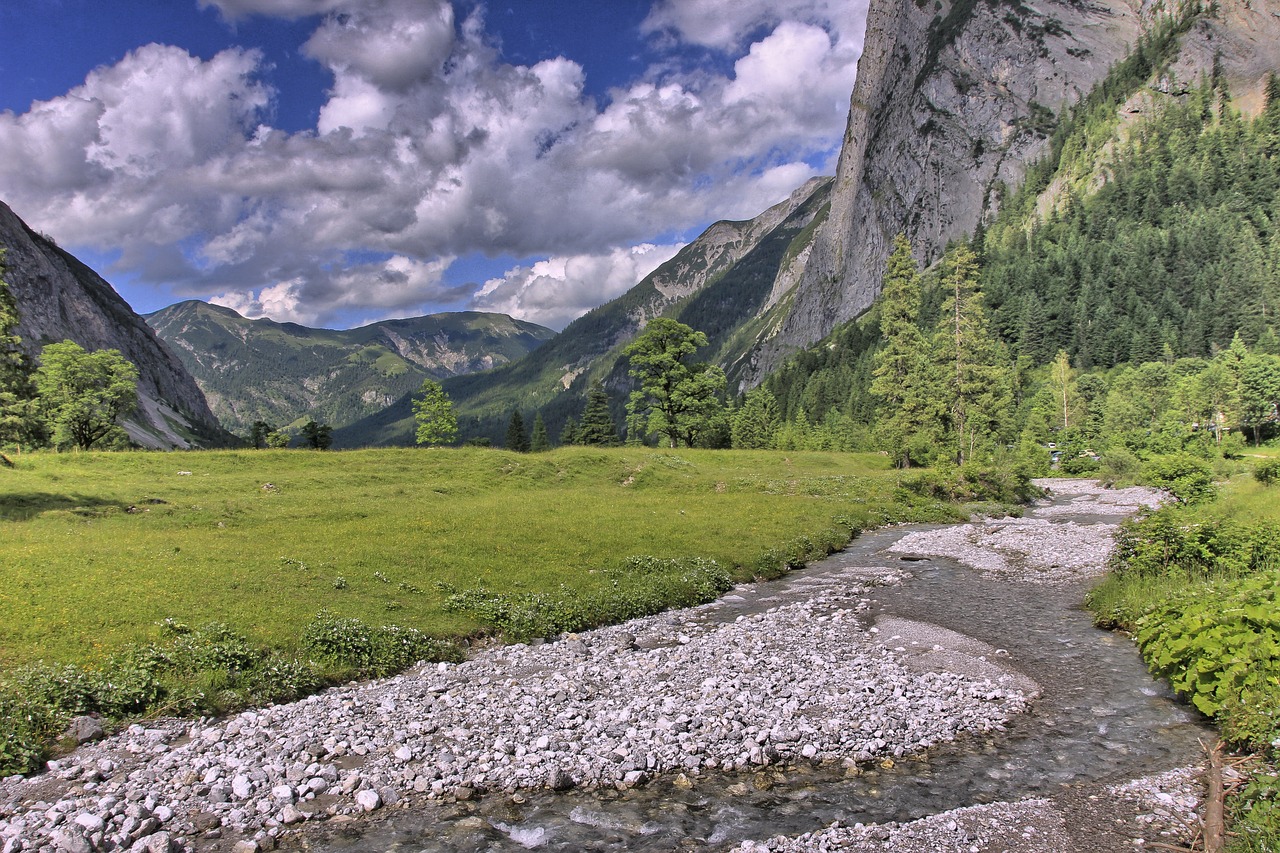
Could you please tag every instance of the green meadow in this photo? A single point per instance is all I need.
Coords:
(97, 549)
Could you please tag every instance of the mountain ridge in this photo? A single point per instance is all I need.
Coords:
(286, 373)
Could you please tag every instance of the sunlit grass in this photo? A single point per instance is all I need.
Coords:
(96, 549)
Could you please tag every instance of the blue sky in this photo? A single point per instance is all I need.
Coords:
(335, 162)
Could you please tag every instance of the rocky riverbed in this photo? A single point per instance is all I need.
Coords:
(812, 680)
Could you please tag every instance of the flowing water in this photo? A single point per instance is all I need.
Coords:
(1100, 718)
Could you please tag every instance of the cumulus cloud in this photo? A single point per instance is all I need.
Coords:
(725, 24)
(560, 289)
(429, 147)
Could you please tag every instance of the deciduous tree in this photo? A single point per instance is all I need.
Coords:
(82, 395)
(677, 397)
(433, 413)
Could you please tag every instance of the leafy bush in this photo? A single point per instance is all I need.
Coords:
(27, 727)
(1220, 646)
(1267, 473)
(1167, 543)
(1187, 478)
(373, 650)
(975, 482)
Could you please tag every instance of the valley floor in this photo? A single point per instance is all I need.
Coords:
(727, 699)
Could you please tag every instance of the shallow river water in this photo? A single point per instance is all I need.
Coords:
(1100, 718)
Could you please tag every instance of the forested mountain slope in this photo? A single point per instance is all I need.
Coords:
(285, 374)
(954, 101)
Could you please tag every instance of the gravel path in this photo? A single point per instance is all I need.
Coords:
(676, 695)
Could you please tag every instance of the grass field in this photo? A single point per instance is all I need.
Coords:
(97, 548)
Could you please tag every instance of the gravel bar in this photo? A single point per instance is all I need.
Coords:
(672, 695)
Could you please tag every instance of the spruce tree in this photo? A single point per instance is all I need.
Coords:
(597, 427)
(973, 367)
(517, 438)
(541, 442)
(902, 368)
(755, 425)
(569, 435)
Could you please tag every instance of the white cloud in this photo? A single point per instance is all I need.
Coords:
(233, 9)
(558, 290)
(429, 147)
(725, 24)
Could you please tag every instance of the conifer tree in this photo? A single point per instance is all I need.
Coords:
(754, 426)
(973, 367)
(569, 434)
(517, 438)
(902, 366)
(541, 442)
(597, 427)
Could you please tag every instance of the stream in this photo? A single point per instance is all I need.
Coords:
(1100, 717)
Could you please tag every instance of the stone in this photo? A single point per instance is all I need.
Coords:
(368, 800)
(85, 729)
(559, 779)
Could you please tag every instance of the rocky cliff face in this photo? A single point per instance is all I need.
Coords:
(953, 100)
(59, 298)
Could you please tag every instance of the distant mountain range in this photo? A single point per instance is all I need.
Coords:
(286, 374)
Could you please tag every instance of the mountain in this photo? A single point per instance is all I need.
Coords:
(953, 102)
(283, 373)
(59, 298)
(722, 283)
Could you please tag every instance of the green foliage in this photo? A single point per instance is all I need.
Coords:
(904, 379)
(754, 425)
(517, 438)
(641, 586)
(27, 730)
(1167, 543)
(1188, 479)
(1267, 473)
(370, 650)
(975, 482)
(277, 439)
(676, 398)
(317, 436)
(1218, 645)
(540, 442)
(597, 427)
(433, 413)
(82, 395)
(18, 422)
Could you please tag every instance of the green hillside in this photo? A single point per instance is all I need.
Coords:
(284, 374)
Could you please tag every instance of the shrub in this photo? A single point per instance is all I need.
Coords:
(371, 650)
(638, 586)
(975, 481)
(1165, 543)
(27, 727)
(1188, 479)
(1267, 473)
(1220, 646)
